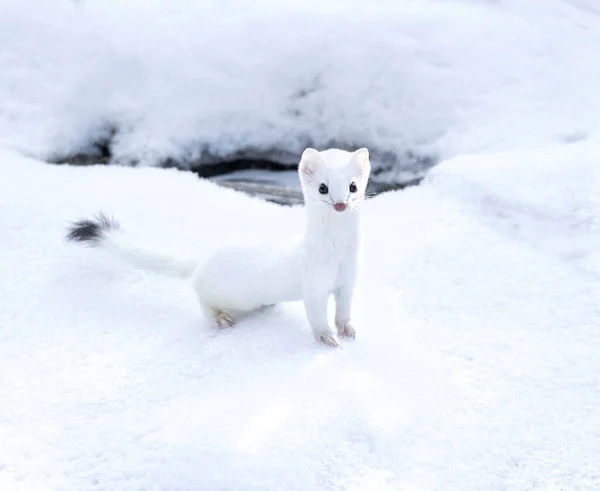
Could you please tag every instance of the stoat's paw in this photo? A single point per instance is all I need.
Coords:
(346, 329)
(329, 338)
(223, 320)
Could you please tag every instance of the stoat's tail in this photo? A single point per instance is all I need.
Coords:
(104, 232)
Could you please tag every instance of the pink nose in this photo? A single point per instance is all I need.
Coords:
(340, 206)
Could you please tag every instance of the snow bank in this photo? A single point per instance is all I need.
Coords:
(549, 196)
(198, 81)
(475, 364)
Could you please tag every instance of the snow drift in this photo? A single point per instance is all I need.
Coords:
(476, 360)
(189, 82)
(475, 364)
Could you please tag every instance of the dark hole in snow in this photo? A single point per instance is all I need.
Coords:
(269, 174)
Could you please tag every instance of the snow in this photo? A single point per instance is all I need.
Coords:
(184, 80)
(547, 196)
(476, 360)
(475, 364)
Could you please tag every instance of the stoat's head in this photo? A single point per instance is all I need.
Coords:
(335, 179)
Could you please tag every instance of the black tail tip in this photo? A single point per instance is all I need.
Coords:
(91, 232)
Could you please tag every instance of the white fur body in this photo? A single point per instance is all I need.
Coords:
(238, 280)
(242, 279)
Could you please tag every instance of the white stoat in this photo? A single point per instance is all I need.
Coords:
(238, 280)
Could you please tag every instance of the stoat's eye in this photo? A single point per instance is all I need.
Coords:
(353, 187)
(323, 189)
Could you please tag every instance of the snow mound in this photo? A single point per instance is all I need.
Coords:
(193, 82)
(475, 365)
(548, 196)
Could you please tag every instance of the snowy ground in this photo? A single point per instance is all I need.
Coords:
(175, 78)
(478, 311)
(475, 367)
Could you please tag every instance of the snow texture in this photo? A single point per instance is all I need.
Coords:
(478, 306)
(475, 365)
(188, 80)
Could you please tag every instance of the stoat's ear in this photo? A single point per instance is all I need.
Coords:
(309, 162)
(361, 160)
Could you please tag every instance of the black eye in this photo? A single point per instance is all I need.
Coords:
(353, 187)
(323, 189)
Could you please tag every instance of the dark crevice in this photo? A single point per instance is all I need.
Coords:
(228, 166)
(389, 173)
(99, 152)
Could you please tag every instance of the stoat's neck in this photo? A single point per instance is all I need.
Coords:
(331, 225)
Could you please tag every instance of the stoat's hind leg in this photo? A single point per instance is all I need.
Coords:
(227, 317)
(222, 316)
(223, 320)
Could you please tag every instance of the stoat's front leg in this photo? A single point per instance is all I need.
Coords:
(315, 304)
(343, 300)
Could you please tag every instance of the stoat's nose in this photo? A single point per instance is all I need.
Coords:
(340, 206)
